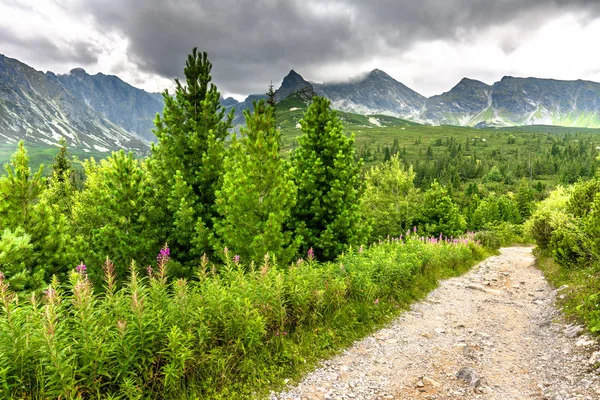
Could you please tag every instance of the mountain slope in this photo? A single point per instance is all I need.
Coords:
(517, 101)
(124, 105)
(459, 106)
(532, 101)
(36, 107)
(376, 93)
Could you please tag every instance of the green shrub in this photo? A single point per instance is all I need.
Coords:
(547, 216)
(226, 334)
(582, 197)
(569, 245)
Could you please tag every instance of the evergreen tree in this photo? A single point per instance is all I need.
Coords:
(28, 223)
(390, 201)
(439, 214)
(111, 216)
(187, 161)
(258, 194)
(525, 199)
(271, 99)
(62, 167)
(61, 188)
(327, 176)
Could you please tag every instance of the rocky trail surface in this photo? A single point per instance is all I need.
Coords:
(493, 333)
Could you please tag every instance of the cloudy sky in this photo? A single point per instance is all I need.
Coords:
(428, 45)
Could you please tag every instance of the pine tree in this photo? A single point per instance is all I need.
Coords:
(29, 222)
(61, 187)
(271, 99)
(439, 214)
(258, 194)
(188, 159)
(327, 176)
(111, 217)
(390, 201)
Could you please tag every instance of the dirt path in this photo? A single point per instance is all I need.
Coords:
(499, 320)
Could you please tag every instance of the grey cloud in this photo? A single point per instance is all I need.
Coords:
(253, 42)
(43, 49)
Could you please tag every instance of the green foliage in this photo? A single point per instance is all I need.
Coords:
(327, 177)
(16, 252)
(27, 216)
(439, 214)
(390, 201)
(112, 215)
(548, 215)
(582, 197)
(223, 335)
(494, 209)
(258, 194)
(494, 175)
(187, 162)
(566, 227)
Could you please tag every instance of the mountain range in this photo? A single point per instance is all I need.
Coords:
(101, 112)
(92, 112)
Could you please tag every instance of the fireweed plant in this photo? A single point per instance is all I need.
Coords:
(232, 331)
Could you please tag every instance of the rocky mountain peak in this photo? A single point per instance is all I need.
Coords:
(292, 83)
(378, 74)
(78, 72)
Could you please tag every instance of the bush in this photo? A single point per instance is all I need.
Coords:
(569, 245)
(547, 217)
(223, 335)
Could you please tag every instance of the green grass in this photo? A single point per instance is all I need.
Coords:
(581, 282)
(44, 155)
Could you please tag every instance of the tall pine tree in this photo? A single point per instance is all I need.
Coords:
(187, 161)
(271, 100)
(258, 194)
(61, 187)
(327, 176)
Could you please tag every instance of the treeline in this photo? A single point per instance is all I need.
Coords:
(501, 158)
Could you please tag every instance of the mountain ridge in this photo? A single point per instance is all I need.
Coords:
(101, 112)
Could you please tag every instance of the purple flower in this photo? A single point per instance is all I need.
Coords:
(164, 255)
(311, 254)
(284, 333)
(236, 259)
(376, 301)
(81, 268)
(415, 229)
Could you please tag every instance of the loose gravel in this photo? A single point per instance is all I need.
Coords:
(493, 333)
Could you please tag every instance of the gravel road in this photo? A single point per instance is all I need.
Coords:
(493, 333)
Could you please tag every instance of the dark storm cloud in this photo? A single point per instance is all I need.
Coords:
(253, 42)
(44, 49)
